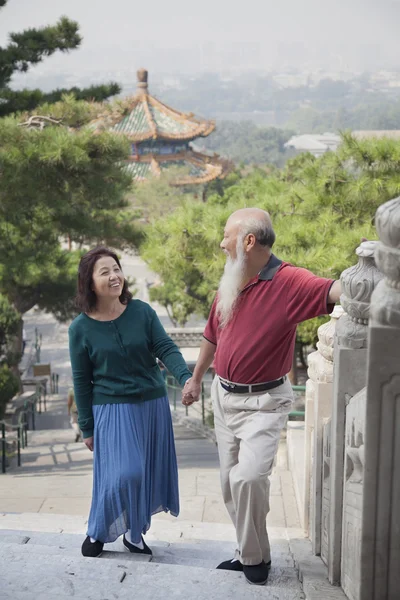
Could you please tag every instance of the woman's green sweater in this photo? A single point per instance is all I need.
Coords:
(115, 361)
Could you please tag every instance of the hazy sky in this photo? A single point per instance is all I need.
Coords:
(121, 33)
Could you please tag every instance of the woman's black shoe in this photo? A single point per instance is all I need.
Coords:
(256, 574)
(135, 549)
(92, 549)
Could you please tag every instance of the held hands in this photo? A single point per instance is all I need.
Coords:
(89, 443)
(191, 392)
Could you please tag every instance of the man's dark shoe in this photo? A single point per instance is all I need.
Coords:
(135, 549)
(236, 565)
(256, 574)
(92, 549)
(228, 565)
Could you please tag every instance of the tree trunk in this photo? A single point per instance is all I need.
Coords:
(16, 352)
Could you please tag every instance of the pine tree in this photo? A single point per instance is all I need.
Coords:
(320, 209)
(61, 187)
(29, 48)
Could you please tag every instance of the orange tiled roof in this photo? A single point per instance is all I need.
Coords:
(142, 117)
(202, 168)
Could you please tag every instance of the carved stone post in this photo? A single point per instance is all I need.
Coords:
(350, 362)
(320, 372)
(380, 537)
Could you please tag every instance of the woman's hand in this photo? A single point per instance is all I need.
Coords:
(191, 392)
(89, 443)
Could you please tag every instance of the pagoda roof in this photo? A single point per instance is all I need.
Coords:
(202, 168)
(142, 117)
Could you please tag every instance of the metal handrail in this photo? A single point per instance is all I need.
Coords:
(4, 454)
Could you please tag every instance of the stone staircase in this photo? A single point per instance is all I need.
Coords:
(40, 560)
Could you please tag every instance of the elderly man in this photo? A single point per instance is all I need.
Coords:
(250, 335)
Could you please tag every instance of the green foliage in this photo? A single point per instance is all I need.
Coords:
(157, 196)
(57, 184)
(375, 116)
(321, 208)
(8, 387)
(30, 47)
(9, 322)
(327, 105)
(27, 100)
(244, 142)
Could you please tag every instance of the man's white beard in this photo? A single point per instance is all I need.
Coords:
(230, 285)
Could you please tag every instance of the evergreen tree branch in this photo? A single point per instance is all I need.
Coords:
(27, 100)
(32, 45)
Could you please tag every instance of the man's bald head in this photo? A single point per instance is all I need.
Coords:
(255, 221)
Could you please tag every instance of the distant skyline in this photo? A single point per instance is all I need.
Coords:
(181, 37)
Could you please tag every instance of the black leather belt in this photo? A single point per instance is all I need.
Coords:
(235, 388)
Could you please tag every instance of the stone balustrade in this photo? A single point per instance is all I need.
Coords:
(318, 407)
(352, 498)
(186, 337)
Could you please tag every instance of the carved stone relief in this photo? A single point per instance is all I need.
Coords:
(358, 283)
(353, 494)
(385, 303)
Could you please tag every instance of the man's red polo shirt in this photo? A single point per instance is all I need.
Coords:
(257, 345)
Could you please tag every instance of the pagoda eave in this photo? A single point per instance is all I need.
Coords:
(142, 117)
(205, 168)
(136, 138)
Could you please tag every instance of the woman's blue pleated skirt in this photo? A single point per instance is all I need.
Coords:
(135, 473)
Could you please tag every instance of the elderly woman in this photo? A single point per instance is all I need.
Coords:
(123, 408)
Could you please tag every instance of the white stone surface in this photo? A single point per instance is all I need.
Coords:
(313, 573)
(49, 573)
(353, 495)
(380, 560)
(350, 374)
(296, 459)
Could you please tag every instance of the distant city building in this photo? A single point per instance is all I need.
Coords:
(316, 144)
(160, 138)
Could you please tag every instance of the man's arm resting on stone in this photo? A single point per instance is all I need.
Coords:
(335, 292)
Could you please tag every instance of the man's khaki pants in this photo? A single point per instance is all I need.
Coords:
(248, 430)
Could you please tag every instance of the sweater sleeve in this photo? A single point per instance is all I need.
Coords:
(165, 349)
(82, 374)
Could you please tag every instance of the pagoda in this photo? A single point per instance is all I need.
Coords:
(160, 138)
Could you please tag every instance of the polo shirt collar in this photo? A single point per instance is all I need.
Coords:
(272, 266)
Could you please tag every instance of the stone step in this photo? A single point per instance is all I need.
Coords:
(163, 527)
(29, 573)
(200, 553)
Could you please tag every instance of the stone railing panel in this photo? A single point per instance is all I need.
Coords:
(320, 372)
(353, 495)
(350, 360)
(380, 535)
(186, 337)
(326, 489)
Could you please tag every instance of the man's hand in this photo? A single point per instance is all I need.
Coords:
(191, 392)
(89, 443)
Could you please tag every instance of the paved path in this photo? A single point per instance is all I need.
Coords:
(50, 496)
(56, 473)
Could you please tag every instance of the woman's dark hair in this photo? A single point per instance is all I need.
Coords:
(86, 298)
